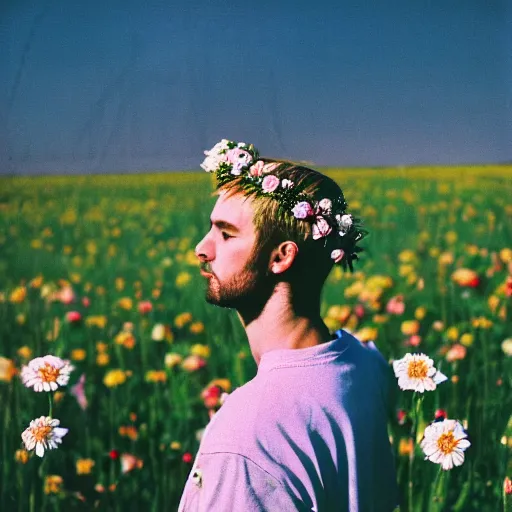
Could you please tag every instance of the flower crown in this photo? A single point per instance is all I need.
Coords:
(236, 160)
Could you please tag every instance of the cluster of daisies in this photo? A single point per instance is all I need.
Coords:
(45, 374)
(230, 160)
(445, 441)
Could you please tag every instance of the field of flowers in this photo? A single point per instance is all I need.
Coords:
(100, 271)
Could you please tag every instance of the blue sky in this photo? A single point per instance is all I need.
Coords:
(121, 86)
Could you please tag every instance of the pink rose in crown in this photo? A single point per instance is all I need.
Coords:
(258, 168)
(302, 210)
(270, 183)
(321, 228)
(337, 255)
(239, 159)
(325, 206)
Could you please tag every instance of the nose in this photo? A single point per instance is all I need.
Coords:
(204, 249)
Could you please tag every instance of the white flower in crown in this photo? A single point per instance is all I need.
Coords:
(337, 255)
(220, 147)
(325, 206)
(344, 223)
(211, 162)
(287, 183)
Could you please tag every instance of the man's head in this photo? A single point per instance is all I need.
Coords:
(274, 221)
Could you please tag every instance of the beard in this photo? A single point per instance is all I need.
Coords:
(246, 289)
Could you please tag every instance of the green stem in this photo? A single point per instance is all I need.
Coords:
(50, 402)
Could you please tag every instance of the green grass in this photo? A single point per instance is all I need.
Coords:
(98, 232)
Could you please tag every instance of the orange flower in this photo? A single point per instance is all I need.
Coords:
(456, 353)
(410, 327)
(466, 277)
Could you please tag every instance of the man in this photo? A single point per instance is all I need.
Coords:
(309, 431)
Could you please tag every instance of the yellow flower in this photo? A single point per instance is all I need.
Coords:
(451, 237)
(36, 244)
(366, 334)
(84, 466)
(18, 295)
(446, 258)
(200, 350)
(119, 284)
(36, 282)
(410, 327)
(482, 322)
(75, 277)
(380, 319)
(406, 446)
(467, 339)
(58, 396)
(21, 318)
(67, 249)
(407, 256)
(156, 376)
(405, 270)
(331, 323)
(339, 313)
(125, 303)
(102, 359)
(354, 289)
(126, 339)
(114, 378)
(99, 321)
(506, 255)
(25, 352)
(21, 456)
(493, 302)
(182, 279)
(53, 484)
(197, 328)
(101, 347)
(78, 354)
(434, 252)
(7, 369)
(182, 319)
(172, 359)
(175, 445)
(420, 313)
(452, 333)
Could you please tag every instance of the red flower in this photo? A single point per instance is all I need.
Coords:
(211, 396)
(187, 457)
(73, 316)
(114, 454)
(86, 301)
(508, 286)
(145, 307)
(401, 416)
(440, 413)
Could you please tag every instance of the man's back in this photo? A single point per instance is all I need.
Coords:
(309, 432)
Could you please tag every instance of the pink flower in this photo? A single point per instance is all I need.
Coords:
(359, 310)
(193, 363)
(302, 210)
(239, 159)
(66, 295)
(414, 340)
(337, 255)
(325, 206)
(270, 183)
(396, 305)
(321, 228)
(86, 302)
(129, 462)
(145, 307)
(257, 168)
(73, 317)
(456, 353)
(78, 391)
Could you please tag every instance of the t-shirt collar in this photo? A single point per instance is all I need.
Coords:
(294, 356)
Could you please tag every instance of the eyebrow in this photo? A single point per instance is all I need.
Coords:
(222, 224)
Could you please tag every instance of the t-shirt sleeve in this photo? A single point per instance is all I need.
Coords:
(228, 482)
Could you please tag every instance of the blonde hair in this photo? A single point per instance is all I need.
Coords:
(272, 227)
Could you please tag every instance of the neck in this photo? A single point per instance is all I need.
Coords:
(286, 321)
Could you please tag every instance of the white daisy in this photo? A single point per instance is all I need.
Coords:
(43, 433)
(46, 373)
(444, 443)
(417, 372)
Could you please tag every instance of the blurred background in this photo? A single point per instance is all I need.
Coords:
(105, 111)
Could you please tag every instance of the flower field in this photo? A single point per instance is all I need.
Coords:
(100, 272)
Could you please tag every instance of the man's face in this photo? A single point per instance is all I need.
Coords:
(232, 271)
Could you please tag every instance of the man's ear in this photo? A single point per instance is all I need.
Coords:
(283, 256)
